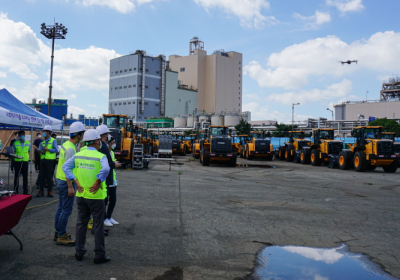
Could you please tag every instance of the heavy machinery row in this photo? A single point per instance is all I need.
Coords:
(215, 144)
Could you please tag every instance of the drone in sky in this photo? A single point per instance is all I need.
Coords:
(348, 61)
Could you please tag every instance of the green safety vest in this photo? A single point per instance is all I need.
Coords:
(114, 173)
(61, 159)
(87, 166)
(83, 148)
(22, 149)
(48, 145)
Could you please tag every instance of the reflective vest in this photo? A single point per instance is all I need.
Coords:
(87, 166)
(83, 148)
(49, 145)
(61, 159)
(114, 173)
(22, 149)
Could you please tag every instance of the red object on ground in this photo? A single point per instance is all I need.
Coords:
(11, 209)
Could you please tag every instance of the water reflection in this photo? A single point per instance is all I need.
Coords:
(295, 262)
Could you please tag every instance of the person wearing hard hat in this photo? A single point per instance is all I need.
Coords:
(111, 198)
(88, 169)
(66, 194)
(105, 136)
(22, 149)
(48, 149)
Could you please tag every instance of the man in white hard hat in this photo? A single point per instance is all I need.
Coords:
(111, 194)
(88, 169)
(49, 150)
(66, 194)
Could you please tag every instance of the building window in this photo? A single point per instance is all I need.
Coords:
(179, 100)
(158, 72)
(182, 69)
(140, 117)
(134, 69)
(239, 104)
(119, 103)
(157, 88)
(145, 103)
(129, 86)
(120, 71)
(120, 87)
(239, 97)
(146, 86)
(134, 102)
(239, 75)
(240, 62)
(140, 85)
(156, 104)
(240, 68)
(124, 103)
(239, 93)
(133, 117)
(134, 85)
(129, 103)
(130, 69)
(115, 104)
(147, 70)
(125, 70)
(125, 86)
(116, 88)
(110, 88)
(141, 70)
(239, 82)
(239, 88)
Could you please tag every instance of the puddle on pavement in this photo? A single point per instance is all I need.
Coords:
(294, 262)
(255, 165)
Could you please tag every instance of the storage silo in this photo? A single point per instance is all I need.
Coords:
(180, 121)
(232, 120)
(191, 119)
(217, 120)
(204, 118)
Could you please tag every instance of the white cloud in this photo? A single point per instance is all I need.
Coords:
(248, 11)
(328, 256)
(346, 5)
(334, 91)
(75, 110)
(21, 51)
(93, 105)
(292, 67)
(315, 20)
(260, 111)
(3, 74)
(122, 6)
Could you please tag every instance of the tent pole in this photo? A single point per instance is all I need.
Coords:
(30, 162)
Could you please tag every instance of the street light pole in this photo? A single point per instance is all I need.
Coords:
(331, 112)
(57, 31)
(293, 113)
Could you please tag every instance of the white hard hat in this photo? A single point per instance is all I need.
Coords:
(101, 129)
(47, 127)
(76, 127)
(90, 135)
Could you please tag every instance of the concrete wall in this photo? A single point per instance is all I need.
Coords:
(125, 92)
(176, 98)
(389, 109)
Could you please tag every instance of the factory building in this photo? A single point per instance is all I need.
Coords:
(216, 77)
(59, 107)
(137, 86)
(179, 99)
(388, 106)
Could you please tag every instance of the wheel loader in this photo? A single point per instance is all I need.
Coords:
(291, 151)
(196, 144)
(258, 147)
(325, 149)
(178, 145)
(369, 151)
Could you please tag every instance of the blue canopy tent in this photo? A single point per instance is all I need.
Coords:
(15, 115)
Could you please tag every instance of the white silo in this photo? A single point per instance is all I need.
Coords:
(232, 120)
(180, 121)
(217, 120)
(191, 119)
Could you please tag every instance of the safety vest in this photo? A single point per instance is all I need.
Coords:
(83, 148)
(114, 173)
(49, 145)
(22, 149)
(87, 166)
(61, 159)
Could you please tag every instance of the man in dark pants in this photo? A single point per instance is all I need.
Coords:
(36, 145)
(48, 149)
(22, 149)
(105, 134)
(88, 169)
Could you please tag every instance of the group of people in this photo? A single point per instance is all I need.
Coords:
(85, 170)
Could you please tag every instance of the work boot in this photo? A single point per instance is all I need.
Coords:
(50, 194)
(40, 194)
(90, 224)
(65, 240)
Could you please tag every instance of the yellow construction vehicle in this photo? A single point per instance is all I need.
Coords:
(196, 144)
(240, 141)
(178, 145)
(391, 136)
(189, 140)
(369, 151)
(258, 147)
(218, 148)
(292, 149)
(325, 149)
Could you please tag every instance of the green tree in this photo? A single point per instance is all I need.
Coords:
(243, 127)
(188, 132)
(282, 129)
(388, 125)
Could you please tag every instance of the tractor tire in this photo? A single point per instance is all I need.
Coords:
(305, 156)
(371, 167)
(281, 153)
(241, 154)
(315, 160)
(249, 157)
(360, 161)
(205, 162)
(345, 157)
(232, 162)
(288, 151)
(391, 168)
(184, 151)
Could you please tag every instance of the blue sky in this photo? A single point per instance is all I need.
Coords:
(291, 49)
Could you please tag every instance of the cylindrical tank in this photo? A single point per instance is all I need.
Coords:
(33, 100)
(232, 120)
(180, 121)
(217, 120)
(204, 118)
(191, 120)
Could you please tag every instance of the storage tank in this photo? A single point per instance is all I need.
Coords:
(217, 120)
(180, 121)
(232, 120)
(204, 118)
(191, 120)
